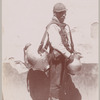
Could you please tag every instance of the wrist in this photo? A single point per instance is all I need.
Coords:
(67, 55)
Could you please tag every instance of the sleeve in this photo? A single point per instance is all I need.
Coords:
(55, 39)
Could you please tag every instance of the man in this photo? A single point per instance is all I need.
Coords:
(58, 38)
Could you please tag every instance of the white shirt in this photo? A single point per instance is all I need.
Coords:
(55, 39)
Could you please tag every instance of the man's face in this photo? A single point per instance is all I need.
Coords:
(61, 16)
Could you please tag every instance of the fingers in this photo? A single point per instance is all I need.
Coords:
(77, 53)
(79, 56)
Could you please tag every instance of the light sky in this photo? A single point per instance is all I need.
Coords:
(24, 21)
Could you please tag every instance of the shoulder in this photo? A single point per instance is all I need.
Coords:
(67, 28)
(53, 26)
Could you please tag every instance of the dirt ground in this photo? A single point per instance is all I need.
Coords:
(15, 87)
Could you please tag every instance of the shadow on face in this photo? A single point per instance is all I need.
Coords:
(61, 16)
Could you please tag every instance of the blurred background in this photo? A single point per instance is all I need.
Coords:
(25, 21)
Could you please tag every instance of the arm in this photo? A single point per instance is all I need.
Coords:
(55, 39)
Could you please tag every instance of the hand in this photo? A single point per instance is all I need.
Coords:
(78, 55)
(71, 58)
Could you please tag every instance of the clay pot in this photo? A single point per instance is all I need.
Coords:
(76, 65)
(36, 60)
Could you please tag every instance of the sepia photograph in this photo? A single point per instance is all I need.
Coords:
(50, 50)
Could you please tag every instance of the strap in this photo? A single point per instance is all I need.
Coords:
(52, 22)
(60, 25)
(44, 36)
(72, 44)
(45, 33)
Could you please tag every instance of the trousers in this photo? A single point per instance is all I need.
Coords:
(61, 84)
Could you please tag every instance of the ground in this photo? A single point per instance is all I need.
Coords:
(15, 87)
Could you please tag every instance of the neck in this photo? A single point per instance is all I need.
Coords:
(55, 20)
